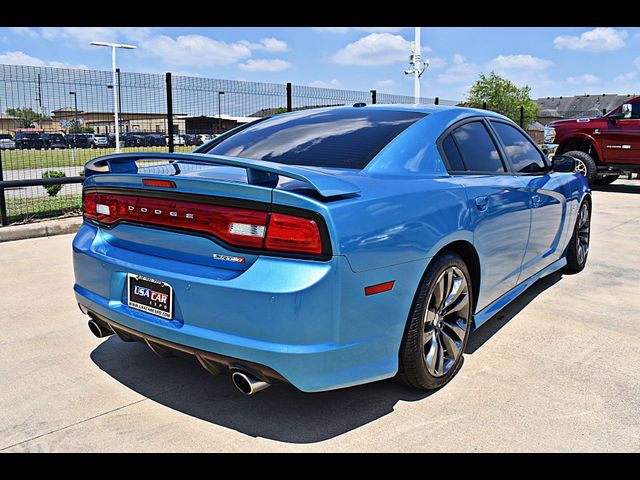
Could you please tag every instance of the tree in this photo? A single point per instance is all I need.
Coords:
(502, 96)
(26, 116)
(76, 127)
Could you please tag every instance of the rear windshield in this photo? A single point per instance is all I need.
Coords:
(341, 138)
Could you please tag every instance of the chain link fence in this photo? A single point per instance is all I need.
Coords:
(54, 120)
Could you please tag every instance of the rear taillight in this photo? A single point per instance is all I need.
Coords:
(287, 233)
(240, 227)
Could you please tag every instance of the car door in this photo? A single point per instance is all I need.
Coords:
(499, 204)
(547, 197)
(621, 137)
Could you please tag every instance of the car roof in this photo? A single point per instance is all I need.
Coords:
(426, 109)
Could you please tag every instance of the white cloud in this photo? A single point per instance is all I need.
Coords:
(519, 62)
(375, 49)
(331, 29)
(461, 71)
(523, 69)
(265, 65)
(360, 29)
(81, 36)
(21, 58)
(636, 62)
(29, 32)
(194, 50)
(334, 83)
(269, 44)
(626, 77)
(600, 39)
(436, 63)
(584, 79)
(388, 83)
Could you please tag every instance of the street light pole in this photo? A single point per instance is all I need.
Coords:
(116, 83)
(219, 112)
(417, 65)
(75, 109)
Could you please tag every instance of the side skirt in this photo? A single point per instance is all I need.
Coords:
(494, 307)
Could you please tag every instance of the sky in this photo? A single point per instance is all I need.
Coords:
(553, 61)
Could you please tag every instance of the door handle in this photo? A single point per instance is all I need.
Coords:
(536, 200)
(482, 202)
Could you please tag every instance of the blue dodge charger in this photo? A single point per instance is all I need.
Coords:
(329, 247)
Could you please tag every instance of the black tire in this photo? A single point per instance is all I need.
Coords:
(606, 180)
(420, 334)
(588, 162)
(576, 252)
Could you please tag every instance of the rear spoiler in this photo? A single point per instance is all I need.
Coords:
(259, 172)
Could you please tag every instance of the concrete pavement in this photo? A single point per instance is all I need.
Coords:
(558, 370)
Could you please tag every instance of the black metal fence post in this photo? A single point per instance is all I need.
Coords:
(169, 113)
(604, 112)
(521, 116)
(436, 101)
(3, 205)
(373, 97)
(289, 98)
(484, 105)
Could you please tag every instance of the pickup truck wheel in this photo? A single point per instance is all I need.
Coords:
(584, 165)
(439, 323)
(606, 180)
(578, 248)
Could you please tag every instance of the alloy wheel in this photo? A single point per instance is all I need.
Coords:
(584, 222)
(580, 167)
(445, 321)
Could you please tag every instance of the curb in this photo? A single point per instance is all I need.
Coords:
(47, 228)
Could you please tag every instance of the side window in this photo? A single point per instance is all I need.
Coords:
(477, 149)
(524, 156)
(453, 154)
(635, 109)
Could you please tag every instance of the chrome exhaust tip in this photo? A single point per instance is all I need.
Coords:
(98, 329)
(247, 383)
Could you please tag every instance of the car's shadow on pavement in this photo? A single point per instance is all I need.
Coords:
(487, 330)
(617, 188)
(281, 412)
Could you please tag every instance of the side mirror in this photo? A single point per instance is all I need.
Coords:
(563, 163)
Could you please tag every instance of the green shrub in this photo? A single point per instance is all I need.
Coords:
(53, 190)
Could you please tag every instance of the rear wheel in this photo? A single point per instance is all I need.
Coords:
(439, 324)
(578, 249)
(585, 165)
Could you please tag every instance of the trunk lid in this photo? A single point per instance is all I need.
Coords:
(199, 179)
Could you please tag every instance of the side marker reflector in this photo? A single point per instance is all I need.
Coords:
(379, 288)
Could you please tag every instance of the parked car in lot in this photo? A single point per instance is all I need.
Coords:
(191, 139)
(78, 140)
(177, 140)
(132, 140)
(206, 137)
(100, 141)
(6, 142)
(330, 247)
(53, 140)
(27, 140)
(604, 147)
(154, 140)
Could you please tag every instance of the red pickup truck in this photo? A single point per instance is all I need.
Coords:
(604, 147)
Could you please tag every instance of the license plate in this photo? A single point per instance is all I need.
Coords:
(150, 295)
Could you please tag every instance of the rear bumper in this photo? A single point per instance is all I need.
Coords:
(307, 321)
